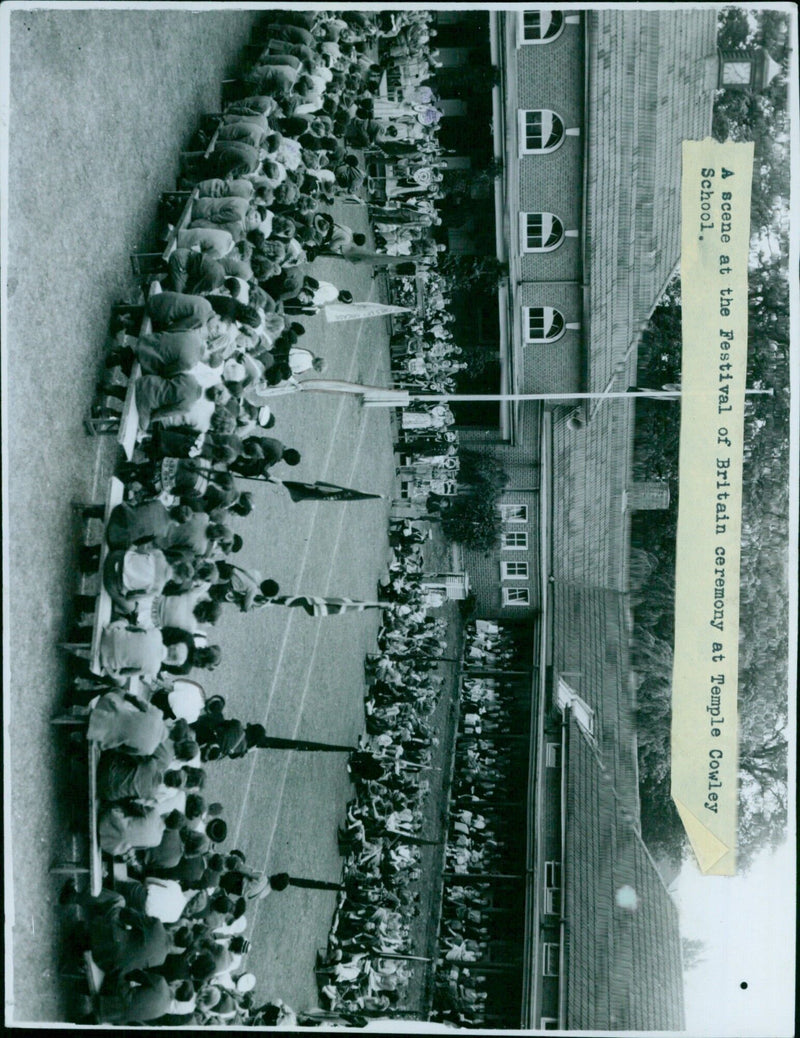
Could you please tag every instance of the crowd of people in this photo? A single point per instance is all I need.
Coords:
(408, 162)
(168, 933)
(484, 829)
(364, 970)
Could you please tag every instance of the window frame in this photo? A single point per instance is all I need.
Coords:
(506, 574)
(552, 901)
(527, 325)
(522, 125)
(552, 755)
(552, 887)
(513, 547)
(550, 949)
(523, 41)
(505, 509)
(552, 873)
(516, 603)
(525, 247)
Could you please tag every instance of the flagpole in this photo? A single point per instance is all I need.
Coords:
(378, 396)
(650, 394)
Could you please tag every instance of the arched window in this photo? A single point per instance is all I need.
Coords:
(541, 130)
(543, 324)
(540, 26)
(540, 232)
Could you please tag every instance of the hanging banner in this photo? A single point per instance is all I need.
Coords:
(715, 241)
(358, 311)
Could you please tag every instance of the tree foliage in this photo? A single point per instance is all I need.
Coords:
(693, 952)
(473, 518)
(763, 676)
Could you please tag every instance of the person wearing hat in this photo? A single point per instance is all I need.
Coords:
(217, 830)
(243, 587)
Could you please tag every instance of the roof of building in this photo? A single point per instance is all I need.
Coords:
(591, 636)
(651, 77)
(623, 965)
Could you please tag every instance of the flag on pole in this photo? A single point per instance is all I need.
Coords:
(320, 491)
(358, 311)
(317, 605)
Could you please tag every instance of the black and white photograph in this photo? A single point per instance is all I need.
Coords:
(399, 478)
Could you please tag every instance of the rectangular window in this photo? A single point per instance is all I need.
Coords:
(511, 570)
(531, 231)
(552, 756)
(514, 513)
(552, 873)
(552, 901)
(514, 541)
(552, 887)
(550, 960)
(548, 1023)
(516, 596)
(533, 130)
(535, 331)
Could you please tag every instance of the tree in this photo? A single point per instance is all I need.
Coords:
(763, 675)
(473, 518)
(471, 273)
(693, 952)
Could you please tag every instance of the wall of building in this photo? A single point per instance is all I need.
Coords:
(520, 462)
(552, 367)
(550, 75)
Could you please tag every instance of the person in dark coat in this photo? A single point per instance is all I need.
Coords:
(141, 997)
(220, 737)
(284, 285)
(127, 525)
(191, 870)
(122, 777)
(260, 454)
(170, 851)
(122, 939)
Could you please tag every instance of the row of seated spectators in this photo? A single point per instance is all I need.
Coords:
(169, 937)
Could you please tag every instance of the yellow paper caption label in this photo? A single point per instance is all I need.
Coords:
(715, 241)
